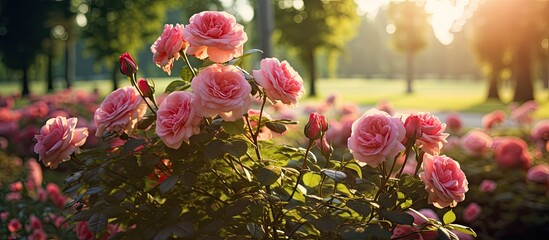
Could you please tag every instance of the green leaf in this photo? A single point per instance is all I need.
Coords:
(94, 190)
(234, 128)
(168, 184)
(355, 167)
(97, 222)
(186, 74)
(214, 149)
(165, 233)
(337, 176)
(268, 175)
(360, 207)
(177, 85)
(387, 200)
(397, 217)
(236, 148)
(276, 127)
(449, 217)
(375, 230)
(445, 234)
(146, 122)
(255, 230)
(250, 52)
(132, 144)
(311, 180)
(464, 229)
(184, 229)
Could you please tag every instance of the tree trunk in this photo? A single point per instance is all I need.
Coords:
(25, 91)
(524, 90)
(544, 71)
(409, 71)
(312, 71)
(114, 76)
(493, 93)
(50, 73)
(70, 58)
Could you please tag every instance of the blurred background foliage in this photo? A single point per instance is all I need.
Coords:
(504, 41)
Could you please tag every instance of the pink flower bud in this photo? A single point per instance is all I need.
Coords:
(4, 216)
(323, 123)
(35, 222)
(413, 125)
(14, 225)
(325, 147)
(538, 173)
(145, 88)
(313, 128)
(127, 64)
(487, 186)
(471, 212)
(16, 186)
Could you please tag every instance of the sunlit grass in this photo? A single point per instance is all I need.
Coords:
(429, 94)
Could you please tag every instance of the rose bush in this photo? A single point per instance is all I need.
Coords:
(508, 177)
(196, 167)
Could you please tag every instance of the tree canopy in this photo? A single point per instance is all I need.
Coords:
(315, 25)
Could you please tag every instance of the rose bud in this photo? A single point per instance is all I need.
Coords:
(145, 87)
(325, 147)
(313, 128)
(127, 64)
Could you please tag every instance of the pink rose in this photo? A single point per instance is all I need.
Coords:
(215, 35)
(540, 131)
(487, 186)
(13, 196)
(14, 225)
(176, 120)
(539, 173)
(120, 110)
(375, 137)
(453, 122)
(471, 212)
(495, 118)
(83, 232)
(340, 131)
(58, 139)
(512, 152)
(444, 181)
(38, 234)
(386, 107)
(428, 130)
(34, 176)
(166, 48)
(16, 186)
(523, 113)
(222, 90)
(35, 222)
(476, 142)
(4, 216)
(279, 80)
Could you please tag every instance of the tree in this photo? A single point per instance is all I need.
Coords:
(491, 42)
(512, 29)
(316, 25)
(115, 27)
(410, 35)
(23, 35)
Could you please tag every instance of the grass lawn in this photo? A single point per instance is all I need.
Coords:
(429, 95)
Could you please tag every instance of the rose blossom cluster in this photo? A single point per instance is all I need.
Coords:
(378, 136)
(218, 89)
